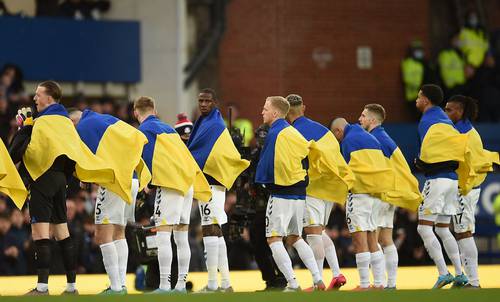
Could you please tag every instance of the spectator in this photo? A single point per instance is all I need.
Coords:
(183, 126)
(12, 257)
(79, 101)
(5, 118)
(484, 87)
(415, 71)
(96, 106)
(12, 81)
(452, 68)
(474, 40)
(108, 105)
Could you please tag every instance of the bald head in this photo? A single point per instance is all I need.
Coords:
(337, 127)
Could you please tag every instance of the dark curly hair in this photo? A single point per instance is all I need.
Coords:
(469, 105)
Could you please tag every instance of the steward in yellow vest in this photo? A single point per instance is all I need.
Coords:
(451, 64)
(415, 71)
(474, 41)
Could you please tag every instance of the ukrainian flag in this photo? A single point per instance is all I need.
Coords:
(330, 178)
(118, 144)
(10, 181)
(440, 140)
(363, 153)
(281, 157)
(170, 162)
(478, 161)
(406, 193)
(54, 135)
(213, 149)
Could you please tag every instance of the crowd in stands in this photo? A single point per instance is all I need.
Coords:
(468, 65)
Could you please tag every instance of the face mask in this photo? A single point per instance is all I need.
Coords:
(473, 21)
(457, 43)
(418, 54)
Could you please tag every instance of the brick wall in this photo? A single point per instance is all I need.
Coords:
(492, 11)
(268, 50)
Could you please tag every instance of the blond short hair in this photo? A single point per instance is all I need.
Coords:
(280, 104)
(377, 110)
(144, 104)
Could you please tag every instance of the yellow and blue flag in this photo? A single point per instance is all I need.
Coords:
(478, 161)
(364, 155)
(213, 149)
(406, 193)
(440, 141)
(330, 178)
(281, 157)
(54, 135)
(118, 144)
(170, 162)
(11, 183)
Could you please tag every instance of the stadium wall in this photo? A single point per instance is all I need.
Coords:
(310, 47)
(163, 51)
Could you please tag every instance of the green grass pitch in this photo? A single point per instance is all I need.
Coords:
(483, 295)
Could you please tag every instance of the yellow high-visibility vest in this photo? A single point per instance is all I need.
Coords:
(451, 68)
(413, 77)
(246, 129)
(474, 44)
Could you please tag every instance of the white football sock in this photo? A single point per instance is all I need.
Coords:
(378, 269)
(42, 287)
(391, 264)
(363, 265)
(110, 260)
(211, 244)
(164, 258)
(284, 262)
(223, 264)
(331, 254)
(451, 248)
(70, 287)
(468, 250)
(122, 251)
(183, 257)
(316, 243)
(307, 256)
(433, 247)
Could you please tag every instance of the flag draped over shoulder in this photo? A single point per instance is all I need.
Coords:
(478, 161)
(170, 162)
(54, 135)
(213, 149)
(406, 193)
(10, 181)
(330, 178)
(363, 153)
(118, 144)
(440, 141)
(281, 157)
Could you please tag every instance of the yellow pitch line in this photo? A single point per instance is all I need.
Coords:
(418, 277)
